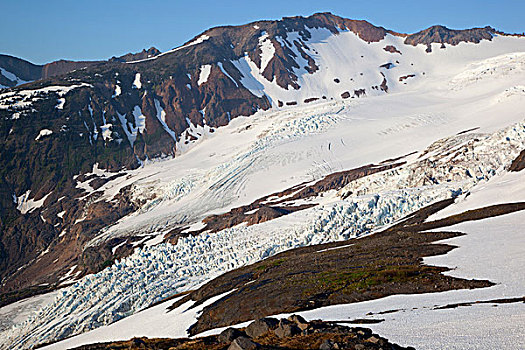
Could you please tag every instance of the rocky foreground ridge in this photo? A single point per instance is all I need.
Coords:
(293, 332)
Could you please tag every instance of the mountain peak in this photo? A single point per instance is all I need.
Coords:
(144, 54)
(442, 35)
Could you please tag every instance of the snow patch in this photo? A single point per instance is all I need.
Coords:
(23, 99)
(161, 116)
(117, 92)
(136, 83)
(26, 205)
(12, 77)
(267, 50)
(205, 71)
(130, 129)
(43, 133)
(61, 103)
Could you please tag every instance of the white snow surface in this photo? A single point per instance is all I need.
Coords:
(491, 249)
(205, 71)
(42, 133)
(267, 50)
(117, 92)
(61, 103)
(161, 116)
(136, 83)
(133, 129)
(155, 322)
(26, 205)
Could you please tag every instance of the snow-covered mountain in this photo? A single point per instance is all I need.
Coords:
(15, 71)
(134, 179)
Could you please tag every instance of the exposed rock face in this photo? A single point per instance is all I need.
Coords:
(243, 343)
(230, 334)
(144, 54)
(261, 326)
(392, 49)
(444, 35)
(405, 77)
(61, 67)
(519, 163)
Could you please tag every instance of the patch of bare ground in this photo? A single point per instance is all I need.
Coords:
(519, 163)
(492, 301)
(404, 77)
(391, 49)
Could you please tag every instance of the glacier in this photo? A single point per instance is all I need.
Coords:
(151, 274)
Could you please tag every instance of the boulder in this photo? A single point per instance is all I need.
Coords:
(301, 323)
(243, 343)
(328, 345)
(373, 339)
(138, 343)
(230, 334)
(261, 326)
(286, 329)
(296, 319)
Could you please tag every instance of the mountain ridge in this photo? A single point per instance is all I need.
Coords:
(26, 71)
(438, 34)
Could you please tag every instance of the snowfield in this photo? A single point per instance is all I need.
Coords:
(491, 249)
(23, 99)
(431, 117)
(12, 77)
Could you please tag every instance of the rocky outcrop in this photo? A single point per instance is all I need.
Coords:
(289, 333)
(444, 35)
(405, 77)
(392, 49)
(130, 57)
(62, 67)
(519, 163)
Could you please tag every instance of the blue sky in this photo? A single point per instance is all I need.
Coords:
(43, 31)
